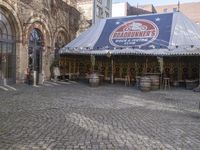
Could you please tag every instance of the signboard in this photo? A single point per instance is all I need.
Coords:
(146, 32)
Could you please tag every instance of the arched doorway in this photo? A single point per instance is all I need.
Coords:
(35, 48)
(7, 49)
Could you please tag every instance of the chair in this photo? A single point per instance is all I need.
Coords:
(166, 83)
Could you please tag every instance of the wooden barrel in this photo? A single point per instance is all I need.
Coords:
(145, 83)
(191, 84)
(94, 80)
(155, 82)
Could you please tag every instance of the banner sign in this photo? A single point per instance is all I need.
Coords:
(145, 32)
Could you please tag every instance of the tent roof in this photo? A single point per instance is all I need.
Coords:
(152, 34)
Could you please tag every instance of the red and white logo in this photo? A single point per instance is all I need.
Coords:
(138, 32)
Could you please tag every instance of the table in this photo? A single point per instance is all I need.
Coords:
(72, 75)
(153, 74)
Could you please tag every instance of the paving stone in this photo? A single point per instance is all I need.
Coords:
(76, 116)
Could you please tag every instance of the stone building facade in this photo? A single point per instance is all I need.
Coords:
(85, 8)
(125, 9)
(72, 3)
(92, 11)
(31, 31)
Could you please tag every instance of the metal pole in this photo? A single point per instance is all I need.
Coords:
(146, 65)
(41, 67)
(112, 76)
(199, 80)
(199, 74)
(92, 59)
(136, 67)
(179, 69)
(128, 70)
(34, 67)
(34, 78)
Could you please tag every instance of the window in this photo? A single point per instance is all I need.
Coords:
(35, 48)
(100, 1)
(165, 10)
(107, 14)
(99, 11)
(59, 42)
(174, 9)
(108, 4)
(7, 48)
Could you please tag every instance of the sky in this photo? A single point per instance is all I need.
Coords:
(154, 2)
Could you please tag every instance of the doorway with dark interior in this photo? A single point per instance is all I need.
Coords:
(35, 49)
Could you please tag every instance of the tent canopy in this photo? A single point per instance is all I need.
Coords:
(152, 34)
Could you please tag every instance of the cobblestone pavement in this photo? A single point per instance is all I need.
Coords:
(75, 116)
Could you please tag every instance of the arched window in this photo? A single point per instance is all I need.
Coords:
(7, 48)
(35, 50)
(61, 40)
(35, 38)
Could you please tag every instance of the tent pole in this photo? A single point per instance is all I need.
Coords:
(199, 73)
(74, 71)
(70, 69)
(179, 69)
(65, 65)
(120, 64)
(198, 88)
(136, 70)
(92, 59)
(112, 69)
(77, 61)
(128, 70)
(146, 65)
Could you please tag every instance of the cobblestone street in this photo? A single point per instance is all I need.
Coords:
(75, 116)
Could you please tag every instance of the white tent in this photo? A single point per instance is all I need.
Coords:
(153, 34)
